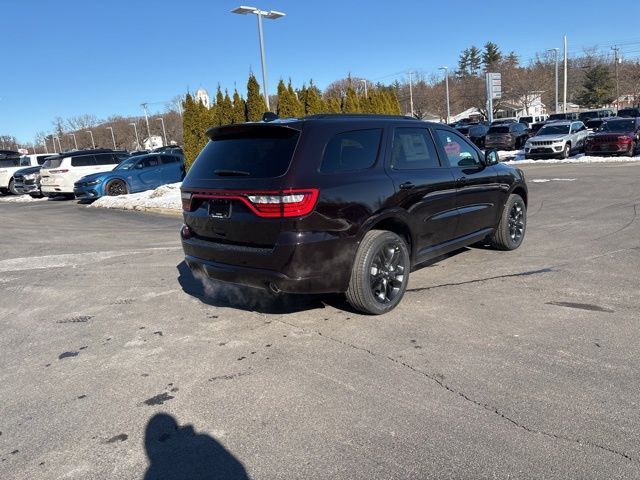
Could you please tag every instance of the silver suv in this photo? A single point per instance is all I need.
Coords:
(556, 139)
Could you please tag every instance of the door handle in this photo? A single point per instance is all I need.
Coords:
(461, 180)
(406, 186)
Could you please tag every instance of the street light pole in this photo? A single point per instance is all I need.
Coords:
(564, 98)
(93, 143)
(411, 91)
(557, 54)
(146, 118)
(135, 129)
(365, 88)
(59, 144)
(271, 15)
(113, 137)
(75, 142)
(616, 49)
(446, 87)
(164, 132)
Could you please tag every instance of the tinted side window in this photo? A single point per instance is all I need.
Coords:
(166, 159)
(84, 161)
(413, 148)
(349, 151)
(458, 151)
(149, 162)
(106, 159)
(42, 159)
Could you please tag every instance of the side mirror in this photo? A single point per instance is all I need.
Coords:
(491, 158)
(138, 165)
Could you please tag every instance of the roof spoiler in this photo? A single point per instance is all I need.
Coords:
(240, 130)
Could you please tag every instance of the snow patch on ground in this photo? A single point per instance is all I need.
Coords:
(580, 158)
(545, 180)
(165, 197)
(512, 157)
(20, 199)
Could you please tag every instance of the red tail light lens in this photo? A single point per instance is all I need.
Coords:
(268, 204)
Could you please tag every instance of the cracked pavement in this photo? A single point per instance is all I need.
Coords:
(117, 362)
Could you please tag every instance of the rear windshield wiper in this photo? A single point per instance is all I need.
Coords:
(232, 173)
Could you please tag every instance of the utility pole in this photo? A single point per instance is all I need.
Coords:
(411, 91)
(146, 117)
(564, 97)
(557, 55)
(365, 88)
(616, 49)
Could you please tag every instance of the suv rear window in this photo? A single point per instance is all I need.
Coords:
(52, 163)
(106, 159)
(10, 162)
(629, 112)
(499, 129)
(253, 154)
(350, 151)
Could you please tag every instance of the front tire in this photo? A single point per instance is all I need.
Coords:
(567, 151)
(380, 273)
(513, 224)
(12, 188)
(115, 188)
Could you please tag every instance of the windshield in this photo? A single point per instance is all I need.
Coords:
(127, 164)
(558, 116)
(619, 126)
(526, 119)
(554, 130)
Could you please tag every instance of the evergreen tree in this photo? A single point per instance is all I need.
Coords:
(194, 125)
(491, 55)
(393, 106)
(255, 101)
(351, 102)
(219, 107)
(297, 106)
(226, 109)
(313, 102)
(598, 87)
(283, 101)
(463, 64)
(511, 60)
(475, 60)
(302, 97)
(332, 105)
(238, 110)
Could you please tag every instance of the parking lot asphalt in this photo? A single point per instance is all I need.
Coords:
(118, 364)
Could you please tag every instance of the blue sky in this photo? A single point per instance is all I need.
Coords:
(71, 57)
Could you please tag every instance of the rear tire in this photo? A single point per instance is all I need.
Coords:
(380, 273)
(512, 226)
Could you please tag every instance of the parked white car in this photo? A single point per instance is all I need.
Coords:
(60, 173)
(11, 164)
(556, 139)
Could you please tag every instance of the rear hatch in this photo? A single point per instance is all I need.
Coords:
(49, 173)
(237, 190)
(498, 134)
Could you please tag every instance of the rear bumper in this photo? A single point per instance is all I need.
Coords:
(309, 263)
(53, 190)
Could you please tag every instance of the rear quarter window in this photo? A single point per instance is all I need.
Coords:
(106, 159)
(84, 161)
(349, 151)
(499, 129)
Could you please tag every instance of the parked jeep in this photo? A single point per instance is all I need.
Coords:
(556, 139)
(343, 203)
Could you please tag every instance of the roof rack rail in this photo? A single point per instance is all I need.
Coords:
(359, 115)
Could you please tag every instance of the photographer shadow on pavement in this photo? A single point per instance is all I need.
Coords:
(221, 294)
(178, 452)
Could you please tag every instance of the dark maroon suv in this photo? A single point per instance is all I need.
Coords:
(343, 203)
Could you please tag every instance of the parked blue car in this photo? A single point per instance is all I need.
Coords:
(135, 174)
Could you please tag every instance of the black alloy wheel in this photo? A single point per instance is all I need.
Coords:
(380, 272)
(510, 232)
(516, 221)
(116, 187)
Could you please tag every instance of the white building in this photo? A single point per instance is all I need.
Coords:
(529, 105)
(202, 96)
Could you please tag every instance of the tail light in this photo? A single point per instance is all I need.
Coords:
(265, 204)
(59, 171)
(186, 201)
